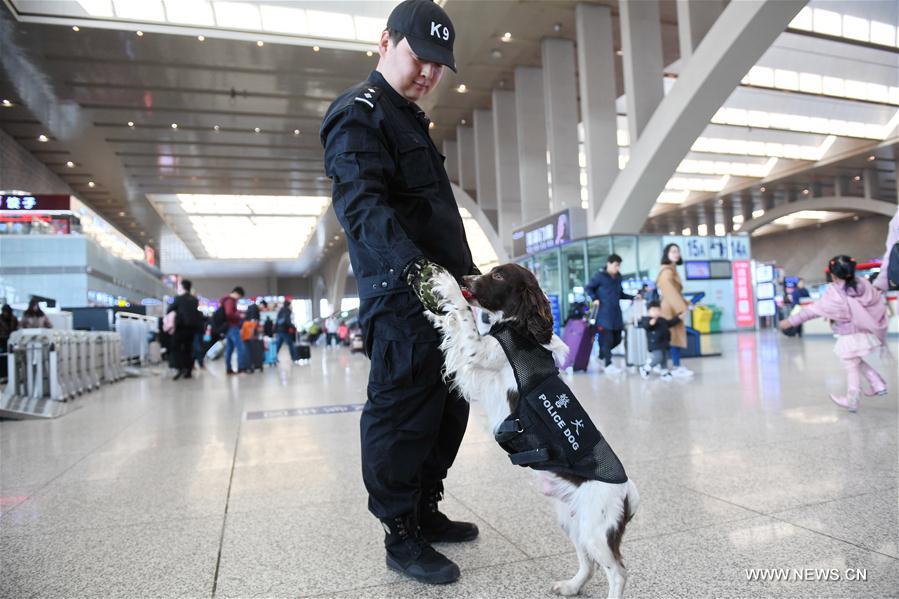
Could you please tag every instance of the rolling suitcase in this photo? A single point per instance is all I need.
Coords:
(303, 352)
(636, 346)
(271, 353)
(578, 336)
(256, 351)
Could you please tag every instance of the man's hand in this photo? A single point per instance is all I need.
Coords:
(595, 303)
(420, 276)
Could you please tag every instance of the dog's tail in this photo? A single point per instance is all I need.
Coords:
(633, 500)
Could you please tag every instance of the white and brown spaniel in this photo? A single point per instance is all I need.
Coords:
(592, 513)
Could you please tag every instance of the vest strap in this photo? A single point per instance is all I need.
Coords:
(508, 429)
(523, 458)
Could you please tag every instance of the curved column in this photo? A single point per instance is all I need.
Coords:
(465, 201)
(833, 204)
(743, 32)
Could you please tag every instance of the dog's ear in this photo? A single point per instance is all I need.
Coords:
(535, 314)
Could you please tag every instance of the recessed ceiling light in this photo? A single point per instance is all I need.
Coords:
(91, 184)
(315, 48)
(140, 34)
(464, 122)
(174, 125)
(131, 123)
(763, 189)
(871, 157)
(43, 138)
(496, 54)
(6, 103)
(369, 53)
(462, 88)
(70, 164)
(857, 178)
(805, 192)
(76, 28)
(507, 37)
(557, 27)
(257, 129)
(201, 38)
(215, 127)
(296, 131)
(431, 125)
(121, 214)
(619, 53)
(260, 43)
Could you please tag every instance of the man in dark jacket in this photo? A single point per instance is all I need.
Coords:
(187, 323)
(605, 291)
(393, 198)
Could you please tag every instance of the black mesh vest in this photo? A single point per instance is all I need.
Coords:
(548, 429)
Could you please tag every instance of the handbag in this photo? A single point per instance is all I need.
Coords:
(168, 322)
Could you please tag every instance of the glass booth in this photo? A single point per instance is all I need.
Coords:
(708, 268)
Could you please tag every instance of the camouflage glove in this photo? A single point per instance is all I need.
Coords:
(420, 276)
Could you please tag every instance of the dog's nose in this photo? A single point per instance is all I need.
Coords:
(468, 280)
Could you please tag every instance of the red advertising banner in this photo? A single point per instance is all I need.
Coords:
(34, 203)
(743, 302)
(150, 255)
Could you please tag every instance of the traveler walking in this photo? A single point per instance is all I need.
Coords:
(605, 290)
(283, 330)
(393, 198)
(796, 297)
(658, 336)
(673, 304)
(188, 321)
(858, 318)
(233, 341)
(8, 324)
(331, 326)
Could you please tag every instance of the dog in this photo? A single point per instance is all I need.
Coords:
(592, 513)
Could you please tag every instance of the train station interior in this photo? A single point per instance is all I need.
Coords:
(725, 169)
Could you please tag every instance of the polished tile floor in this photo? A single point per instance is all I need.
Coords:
(233, 487)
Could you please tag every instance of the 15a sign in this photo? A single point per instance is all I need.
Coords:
(34, 203)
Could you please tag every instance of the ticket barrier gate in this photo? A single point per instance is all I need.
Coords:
(47, 367)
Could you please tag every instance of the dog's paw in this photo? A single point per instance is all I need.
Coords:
(566, 588)
(449, 294)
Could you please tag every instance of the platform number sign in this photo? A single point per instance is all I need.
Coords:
(739, 248)
(717, 248)
(696, 248)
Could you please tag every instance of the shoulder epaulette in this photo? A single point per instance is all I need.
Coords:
(369, 96)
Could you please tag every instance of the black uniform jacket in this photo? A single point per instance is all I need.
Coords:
(393, 198)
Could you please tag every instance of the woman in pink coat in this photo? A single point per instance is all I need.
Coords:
(859, 319)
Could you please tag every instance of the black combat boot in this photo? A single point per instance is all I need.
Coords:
(410, 554)
(435, 526)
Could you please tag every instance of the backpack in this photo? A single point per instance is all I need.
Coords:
(893, 267)
(219, 322)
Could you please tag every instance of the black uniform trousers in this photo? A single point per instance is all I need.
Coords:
(411, 426)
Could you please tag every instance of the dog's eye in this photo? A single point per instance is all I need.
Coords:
(498, 275)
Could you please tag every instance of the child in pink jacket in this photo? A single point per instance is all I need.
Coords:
(860, 323)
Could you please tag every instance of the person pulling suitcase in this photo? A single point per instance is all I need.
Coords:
(605, 290)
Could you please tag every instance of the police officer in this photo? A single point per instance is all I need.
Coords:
(393, 198)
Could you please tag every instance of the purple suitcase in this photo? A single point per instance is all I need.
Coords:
(578, 336)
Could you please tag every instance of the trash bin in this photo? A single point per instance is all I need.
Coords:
(702, 319)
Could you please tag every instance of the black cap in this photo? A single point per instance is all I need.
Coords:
(428, 29)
